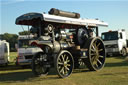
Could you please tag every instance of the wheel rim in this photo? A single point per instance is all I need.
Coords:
(38, 65)
(97, 54)
(124, 52)
(64, 64)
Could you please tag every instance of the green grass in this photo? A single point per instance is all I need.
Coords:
(13, 56)
(115, 72)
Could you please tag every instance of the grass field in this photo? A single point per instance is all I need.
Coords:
(115, 72)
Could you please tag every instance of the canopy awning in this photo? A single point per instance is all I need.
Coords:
(31, 18)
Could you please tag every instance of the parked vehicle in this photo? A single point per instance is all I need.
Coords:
(4, 52)
(64, 38)
(25, 51)
(115, 42)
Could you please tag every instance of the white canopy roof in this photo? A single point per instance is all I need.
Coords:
(29, 18)
(86, 22)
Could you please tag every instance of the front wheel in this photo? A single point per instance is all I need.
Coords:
(124, 52)
(64, 64)
(96, 54)
(38, 64)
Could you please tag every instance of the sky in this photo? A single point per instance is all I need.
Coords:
(114, 12)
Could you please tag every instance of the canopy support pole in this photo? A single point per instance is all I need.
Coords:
(97, 32)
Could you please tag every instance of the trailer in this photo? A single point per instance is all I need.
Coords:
(4, 52)
(25, 51)
(65, 38)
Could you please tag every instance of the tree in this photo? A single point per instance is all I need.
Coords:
(11, 38)
(24, 33)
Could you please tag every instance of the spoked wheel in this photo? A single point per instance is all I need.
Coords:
(38, 64)
(124, 52)
(64, 64)
(95, 53)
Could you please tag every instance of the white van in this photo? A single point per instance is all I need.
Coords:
(115, 42)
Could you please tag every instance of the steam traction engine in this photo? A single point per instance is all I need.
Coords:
(65, 39)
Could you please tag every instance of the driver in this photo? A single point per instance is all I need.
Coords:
(90, 32)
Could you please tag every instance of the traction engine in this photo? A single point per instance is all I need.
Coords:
(66, 40)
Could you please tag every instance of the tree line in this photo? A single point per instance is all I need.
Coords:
(12, 39)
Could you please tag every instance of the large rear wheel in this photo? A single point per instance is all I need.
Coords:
(96, 54)
(64, 64)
